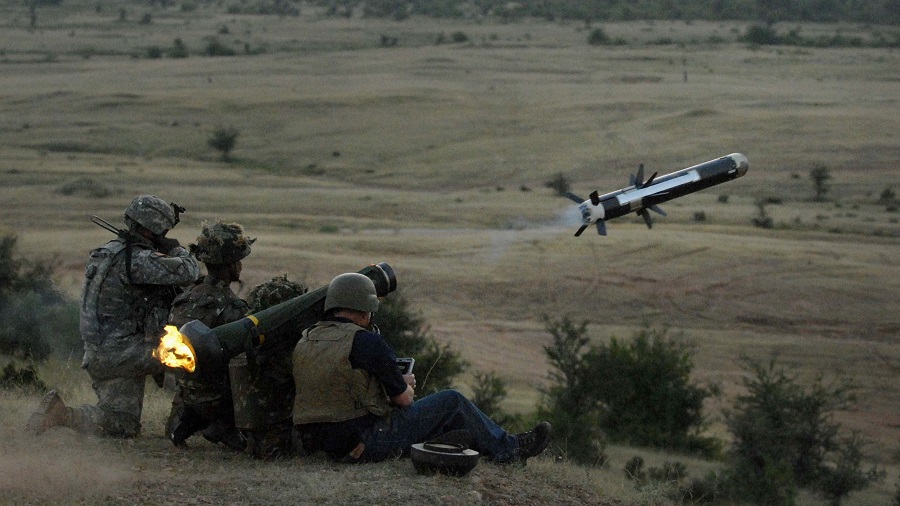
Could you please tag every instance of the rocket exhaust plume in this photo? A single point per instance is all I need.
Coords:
(175, 350)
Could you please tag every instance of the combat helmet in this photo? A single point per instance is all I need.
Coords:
(272, 292)
(221, 243)
(352, 291)
(152, 213)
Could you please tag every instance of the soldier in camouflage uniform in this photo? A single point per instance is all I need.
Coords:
(130, 282)
(264, 394)
(206, 405)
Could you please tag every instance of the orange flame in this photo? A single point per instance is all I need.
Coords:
(175, 350)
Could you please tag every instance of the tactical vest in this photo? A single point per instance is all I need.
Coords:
(328, 388)
(113, 307)
(207, 301)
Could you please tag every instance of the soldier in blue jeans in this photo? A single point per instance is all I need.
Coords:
(352, 403)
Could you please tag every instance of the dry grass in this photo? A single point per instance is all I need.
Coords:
(433, 159)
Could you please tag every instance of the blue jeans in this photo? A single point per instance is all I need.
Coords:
(431, 416)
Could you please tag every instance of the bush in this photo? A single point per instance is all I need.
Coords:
(648, 399)
(559, 184)
(636, 391)
(784, 438)
(214, 47)
(34, 317)
(761, 35)
(488, 392)
(598, 37)
(437, 365)
(459, 37)
(820, 176)
(224, 139)
(21, 378)
(566, 403)
(178, 49)
(762, 219)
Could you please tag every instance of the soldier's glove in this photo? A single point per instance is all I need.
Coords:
(165, 244)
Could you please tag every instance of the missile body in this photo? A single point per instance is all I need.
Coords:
(641, 196)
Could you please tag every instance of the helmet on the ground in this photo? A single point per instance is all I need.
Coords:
(274, 291)
(221, 243)
(352, 291)
(445, 458)
(152, 213)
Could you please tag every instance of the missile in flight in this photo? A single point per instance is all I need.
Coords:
(642, 195)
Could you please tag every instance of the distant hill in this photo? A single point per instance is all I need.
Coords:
(767, 11)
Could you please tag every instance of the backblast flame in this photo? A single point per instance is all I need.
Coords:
(175, 350)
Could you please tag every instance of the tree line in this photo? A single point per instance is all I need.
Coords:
(766, 11)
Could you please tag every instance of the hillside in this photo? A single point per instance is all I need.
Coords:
(433, 158)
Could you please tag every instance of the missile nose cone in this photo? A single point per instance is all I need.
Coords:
(741, 162)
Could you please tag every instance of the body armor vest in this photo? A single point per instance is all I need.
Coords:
(328, 388)
(113, 307)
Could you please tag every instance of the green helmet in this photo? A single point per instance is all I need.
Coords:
(152, 213)
(221, 243)
(352, 291)
(274, 291)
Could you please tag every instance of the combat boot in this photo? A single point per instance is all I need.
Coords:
(533, 442)
(220, 432)
(51, 412)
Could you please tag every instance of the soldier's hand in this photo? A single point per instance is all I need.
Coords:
(165, 244)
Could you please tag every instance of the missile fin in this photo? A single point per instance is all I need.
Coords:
(595, 198)
(575, 198)
(639, 177)
(601, 227)
(644, 214)
(658, 210)
(650, 181)
(580, 230)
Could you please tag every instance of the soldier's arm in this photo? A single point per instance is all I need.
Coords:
(154, 268)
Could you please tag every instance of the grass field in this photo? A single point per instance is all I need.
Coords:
(433, 158)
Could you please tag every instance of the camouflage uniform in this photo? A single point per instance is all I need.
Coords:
(264, 398)
(207, 405)
(128, 288)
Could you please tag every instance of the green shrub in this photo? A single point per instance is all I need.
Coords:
(784, 438)
(488, 392)
(214, 47)
(24, 378)
(598, 37)
(437, 365)
(636, 391)
(178, 49)
(566, 403)
(559, 184)
(820, 176)
(644, 387)
(459, 37)
(224, 139)
(35, 319)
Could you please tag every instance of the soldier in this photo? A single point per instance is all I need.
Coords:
(264, 394)
(206, 405)
(352, 403)
(130, 282)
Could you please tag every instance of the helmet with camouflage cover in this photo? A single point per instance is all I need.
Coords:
(221, 243)
(152, 213)
(352, 291)
(274, 291)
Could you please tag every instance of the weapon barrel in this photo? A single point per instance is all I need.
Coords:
(306, 308)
